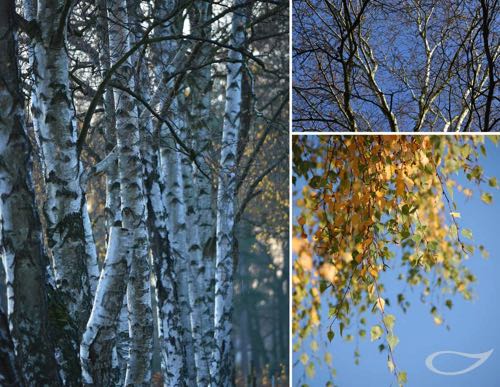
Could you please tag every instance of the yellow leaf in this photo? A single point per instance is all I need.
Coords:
(455, 214)
(314, 317)
(380, 304)
(328, 272)
(347, 257)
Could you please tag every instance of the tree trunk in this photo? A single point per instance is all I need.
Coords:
(173, 196)
(170, 329)
(133, 207)
(200, 212)
(21, 237)
(99, 339)
(69, 230)
(222, 362)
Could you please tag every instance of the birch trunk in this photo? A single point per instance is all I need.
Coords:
(177, 224)
(69, 230)
(169, 326)
(200, 213)
(99, 339)
(133, 207)
(173, 197)
(195, 267)
(112, 207)
(20, 228)
(222, 362)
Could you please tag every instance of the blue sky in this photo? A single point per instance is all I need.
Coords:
(473, 324)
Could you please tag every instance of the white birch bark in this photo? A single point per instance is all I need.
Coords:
(169, 326)
(122, 346)
(200, 212)
(196, 273)
(20, 227)
(96, 350)
(133, 207)
(222, 364)
(112, 207)
(173, 198)
(69, 231)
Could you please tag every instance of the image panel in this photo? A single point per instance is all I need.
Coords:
(396, 66)
(395, 267)
(144, 168)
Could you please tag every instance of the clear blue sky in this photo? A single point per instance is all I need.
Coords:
(474, 325)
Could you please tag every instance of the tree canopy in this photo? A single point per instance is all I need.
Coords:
(368, 204)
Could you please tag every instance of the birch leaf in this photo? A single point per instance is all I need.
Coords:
(376, 332)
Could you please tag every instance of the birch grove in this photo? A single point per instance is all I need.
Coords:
(143, 192)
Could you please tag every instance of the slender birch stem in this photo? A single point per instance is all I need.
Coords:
(222, 364)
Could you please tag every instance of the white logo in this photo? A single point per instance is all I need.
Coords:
(481, 358)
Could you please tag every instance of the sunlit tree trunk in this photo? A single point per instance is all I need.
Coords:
(69, 230)
(222, 362)
(20, 228)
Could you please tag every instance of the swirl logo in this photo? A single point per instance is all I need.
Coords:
(481, 358)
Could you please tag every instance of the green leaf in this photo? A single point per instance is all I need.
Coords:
(467, 233)
(376, 332)
(316, 182)
(392, 340)
(493, 182)
(449, 304)
(330, 335)
(310, 370)
(389, 321)
(454, 231)
(402, 377)
(486, 197)
(341, 328)
(323, 285)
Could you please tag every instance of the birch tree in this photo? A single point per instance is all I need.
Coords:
(21, 240)
(363, 65)
(142, 170)
(222, 366)
(69, 233)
